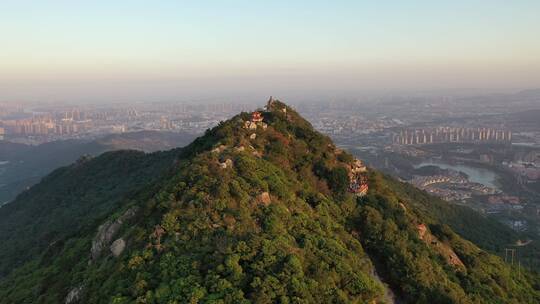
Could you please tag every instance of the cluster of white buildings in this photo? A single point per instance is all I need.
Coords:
(451, 135)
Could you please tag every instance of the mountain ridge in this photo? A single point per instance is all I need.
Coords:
(260, 209)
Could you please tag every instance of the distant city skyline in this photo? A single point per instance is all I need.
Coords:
(164, 50)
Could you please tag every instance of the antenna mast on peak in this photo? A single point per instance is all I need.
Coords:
(270, 102)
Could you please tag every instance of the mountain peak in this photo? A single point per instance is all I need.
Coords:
(260, 209)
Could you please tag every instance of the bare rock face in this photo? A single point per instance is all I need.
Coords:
(74, 295)
(264, 198)
(226, 164)
(219, 149)
(107, 231)
(103, 238)
(117, 247)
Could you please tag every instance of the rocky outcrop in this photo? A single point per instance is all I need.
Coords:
(74, 295)
(117, 247)
(226, 164)
(264, 198)
(443, 248)
(219, 149)
(106, 233)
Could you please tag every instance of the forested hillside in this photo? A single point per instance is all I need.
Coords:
(23, 165)
(71, 199)
(260, 209)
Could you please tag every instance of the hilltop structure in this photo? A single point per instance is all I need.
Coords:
(256, 117)
(358, 181)
(255, 121)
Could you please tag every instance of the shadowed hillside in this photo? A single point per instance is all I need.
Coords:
(25, 165)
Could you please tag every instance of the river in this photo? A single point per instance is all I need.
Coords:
(2, 163)
(482, 176)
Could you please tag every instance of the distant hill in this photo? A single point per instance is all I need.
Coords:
(526, 117)
(260, 209)
(147, 141)
(28, 164)
(529, 93)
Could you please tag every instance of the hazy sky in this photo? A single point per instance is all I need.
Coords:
(136, 50)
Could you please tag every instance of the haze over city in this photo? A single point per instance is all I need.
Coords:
(103, 51)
